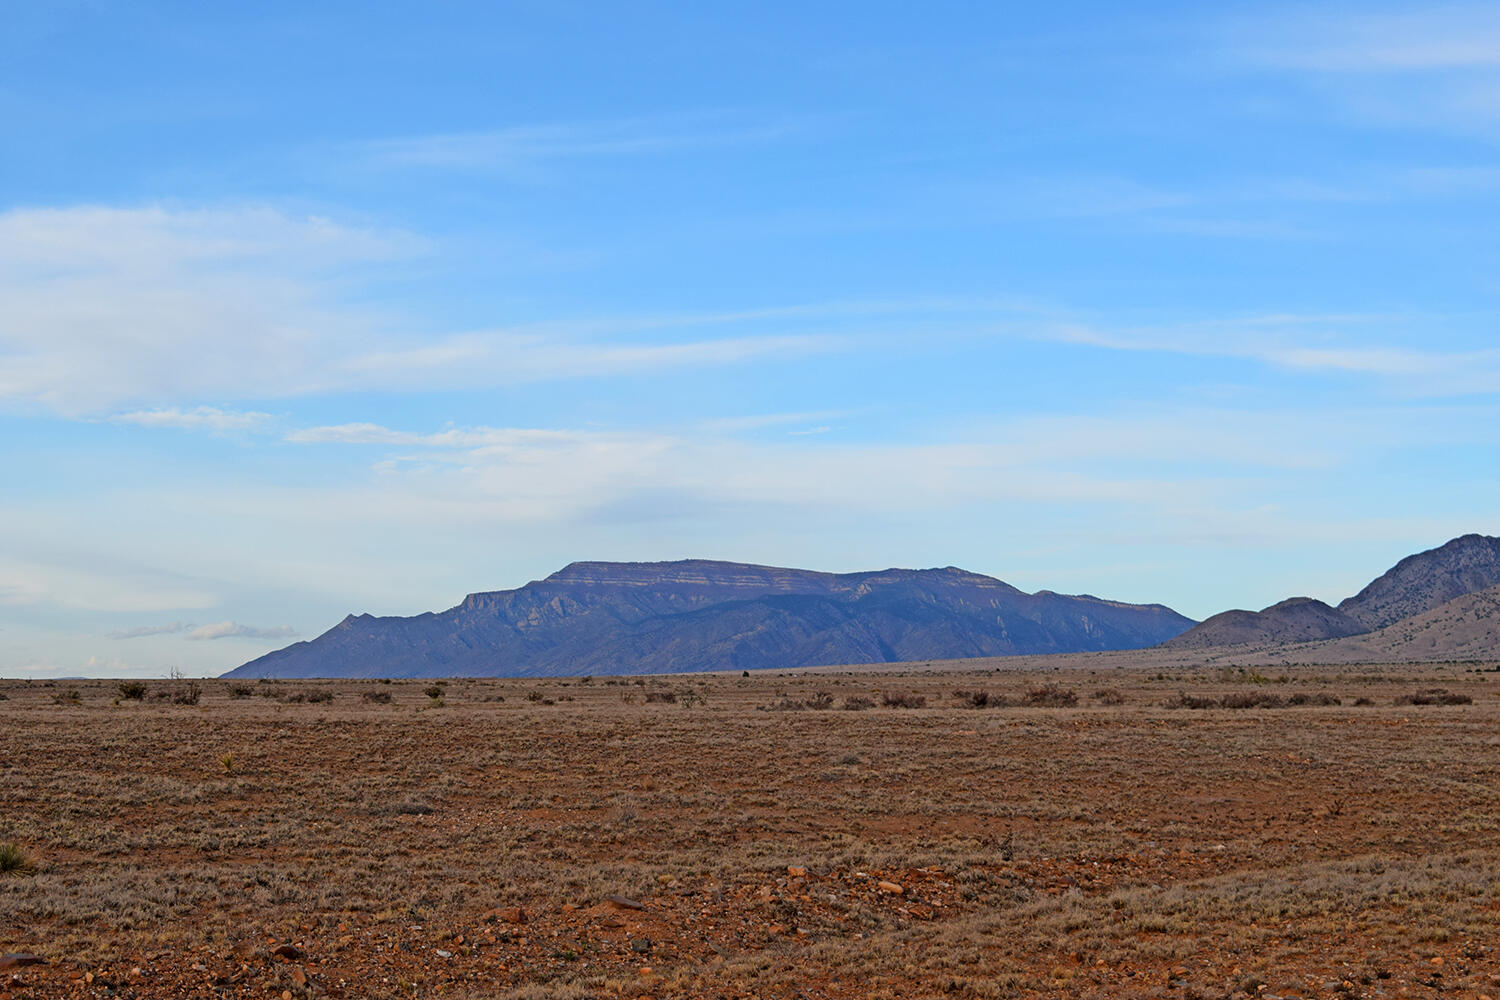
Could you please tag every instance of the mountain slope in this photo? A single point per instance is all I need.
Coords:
(701, 615)
(1415, 585)
(1426, 580)
(1297, 619)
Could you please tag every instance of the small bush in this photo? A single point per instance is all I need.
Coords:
(15, 859)
(1185, 700)
(133, 690)
(1251, 699)
(319, 696)
(1320, 698)
(1434, 696)
(241, 690)
(785, 705)
(821, 700)
(857, 704)
(1110, 696)
(377, 697)
(667, 697)
(435, 691)
(901, 699)
(1051, 696)
(68, 697)
(187, 693)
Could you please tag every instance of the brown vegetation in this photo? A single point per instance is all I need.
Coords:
(580, 845)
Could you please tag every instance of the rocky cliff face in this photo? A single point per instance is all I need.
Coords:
(604, 618)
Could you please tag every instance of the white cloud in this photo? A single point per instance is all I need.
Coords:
(200, 418)
(103, 308)
(96, 587)
(234, 630)
(523, 147)
(141, 631)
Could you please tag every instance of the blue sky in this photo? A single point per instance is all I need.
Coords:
(317, 309)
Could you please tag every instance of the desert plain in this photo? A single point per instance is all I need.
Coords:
(1094, 826)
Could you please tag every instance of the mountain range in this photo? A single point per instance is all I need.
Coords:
(690, 615)
(635, 618)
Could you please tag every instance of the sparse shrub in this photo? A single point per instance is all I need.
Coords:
(668, 697)
(785, 705)
(1318, 698)
(411, 807)
(1362, 701)
(1051, 696)
(1251, 699)
(903, 699)
(15, 859)
(822, 700)
(377, 697)
(1185, 700)
(1109, 696)
(1434, 696)
(433, 691)
(978, 699)
(855, 703)
(240, 690)
(227, 763)
(187, 693)
(132, 690)
(68, 697)
(319, 696)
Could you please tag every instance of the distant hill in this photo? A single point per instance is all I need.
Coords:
(615, 618)
(1297, 619)
(1401, 600)
(1426, 580)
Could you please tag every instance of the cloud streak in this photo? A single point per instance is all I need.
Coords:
(234, 630)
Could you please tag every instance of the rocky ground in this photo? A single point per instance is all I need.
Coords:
(763, 836)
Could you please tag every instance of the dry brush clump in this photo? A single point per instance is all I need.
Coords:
(1435, 696)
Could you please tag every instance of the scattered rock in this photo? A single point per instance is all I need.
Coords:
(641, 946)
(625, 902)
(890, 887)
(290, 952)
(20, 959)
(299, 978)
(796, 871)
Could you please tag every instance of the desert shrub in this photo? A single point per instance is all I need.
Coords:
(319, 695)
(785, 704)
(15, 859)
(435, 691)
(1109, 696)
(377, 697)
(1051, 696)
(1319, 698)
(68, 697)
(1185, 700)
(240, 690)
(903, 699)
(821, 700)
(973, 699)
(1251, 699)
(1434, 696)
(669, 697)
(1362, 701)
(187, 693)
(855, 703)
(132, 690)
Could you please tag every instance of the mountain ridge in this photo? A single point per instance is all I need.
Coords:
(696, 614)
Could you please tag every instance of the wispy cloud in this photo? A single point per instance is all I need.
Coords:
(525, 146)
(234, 630)
(200, 418)
(106, 308)
(142, 631)
(1425, 68)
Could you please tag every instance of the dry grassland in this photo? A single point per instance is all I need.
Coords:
(268, 842)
